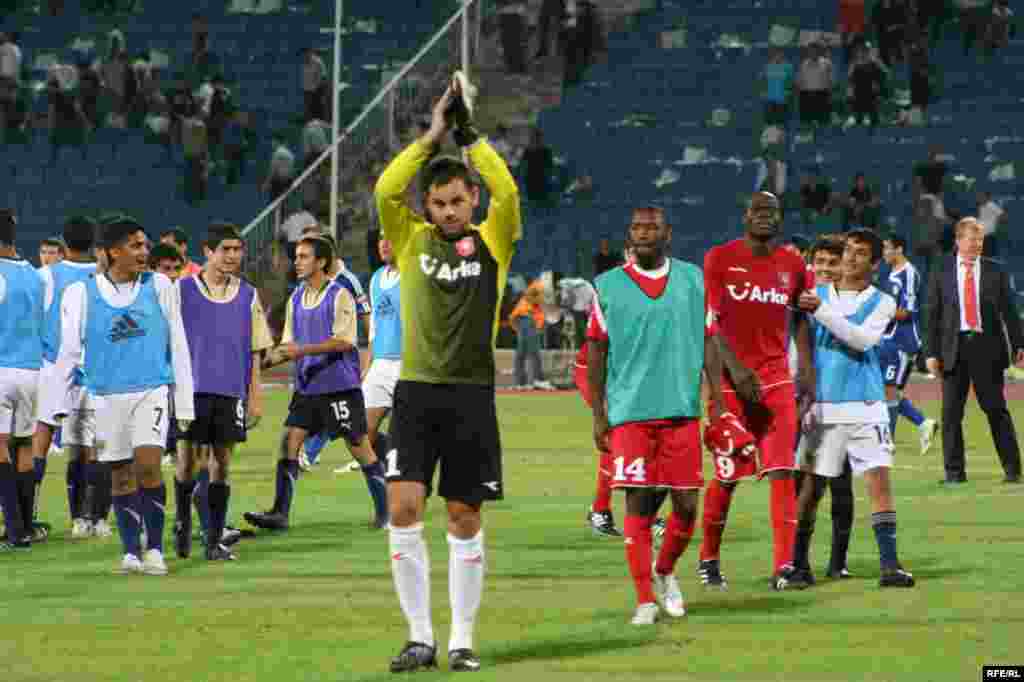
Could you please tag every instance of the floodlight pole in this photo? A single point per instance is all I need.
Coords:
(465, 36)
(339, 8)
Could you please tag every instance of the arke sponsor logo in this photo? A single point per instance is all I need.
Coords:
(757, 294)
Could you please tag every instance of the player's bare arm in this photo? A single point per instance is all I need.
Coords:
(746, 381)
(713, 376)
(597, 374)
(255, 406)
(805, 377)
(295, 351)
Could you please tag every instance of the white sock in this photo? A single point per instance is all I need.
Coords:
(410, 567)
(465, 587)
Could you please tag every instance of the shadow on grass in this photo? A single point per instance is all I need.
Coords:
(760, 606)
(574, 646)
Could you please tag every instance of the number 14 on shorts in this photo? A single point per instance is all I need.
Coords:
(633, 472)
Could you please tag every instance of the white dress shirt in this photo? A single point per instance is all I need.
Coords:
(961, 271)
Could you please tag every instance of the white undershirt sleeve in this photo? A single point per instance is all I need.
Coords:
(181, 361)
(859, 337)
(47, 274)
(72, 327)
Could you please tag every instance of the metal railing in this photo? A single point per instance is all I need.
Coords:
(385, 124)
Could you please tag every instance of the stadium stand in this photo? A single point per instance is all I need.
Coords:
(256, 46)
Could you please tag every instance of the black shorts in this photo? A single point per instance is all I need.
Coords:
(333, 414)
(220, 420)
(456, 424)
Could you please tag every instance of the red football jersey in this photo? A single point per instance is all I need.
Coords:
(748, 299)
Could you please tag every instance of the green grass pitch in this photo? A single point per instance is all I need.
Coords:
(317, 603)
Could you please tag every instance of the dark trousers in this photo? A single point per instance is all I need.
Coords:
(975, 366)
(513, 42)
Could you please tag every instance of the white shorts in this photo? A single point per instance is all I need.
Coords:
(379, 384)
(826, 448)
(51, 394)
(18, 392)
(79, 428)
(129, 421)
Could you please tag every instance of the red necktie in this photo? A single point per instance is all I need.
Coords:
(970, 298)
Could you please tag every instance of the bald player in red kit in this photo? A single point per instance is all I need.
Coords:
(751, 285)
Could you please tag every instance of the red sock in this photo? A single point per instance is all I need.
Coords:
(716, 511)
(638, 555)
(783, 508)
(677, 537)
(603, 496)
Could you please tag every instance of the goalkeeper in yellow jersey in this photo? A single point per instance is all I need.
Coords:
(453, 278)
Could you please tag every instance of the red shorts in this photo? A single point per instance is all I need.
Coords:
(663, 453)
(774, 425)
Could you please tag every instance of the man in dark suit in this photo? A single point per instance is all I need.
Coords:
(972, 329)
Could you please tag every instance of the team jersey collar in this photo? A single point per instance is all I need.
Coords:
(656, 273)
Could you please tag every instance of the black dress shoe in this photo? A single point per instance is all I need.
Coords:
(953, 481)
(1012, 479)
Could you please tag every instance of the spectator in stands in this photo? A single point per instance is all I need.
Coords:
(51, 250)
(238, 140)
(815, 86)
(549, 26)
(584, 37)
(90, 86)
(282, 170)
(113, 69)
(890, 19)
(1000, 27)
(867, 78)
(815, 197)
(604, 259)
(10, 76)
(203, 63)
(218, 112)
(862, 205)
(990, 215)
(538, 162)
(182, 105)
(778, 78)
(512, 22)
(66, 121)
(316, 138)
(178, 238)
(930, 15)
(315, 86)
(930, 216)
(852, 21)
(975, 16)
(195, 136)
(920, 81)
